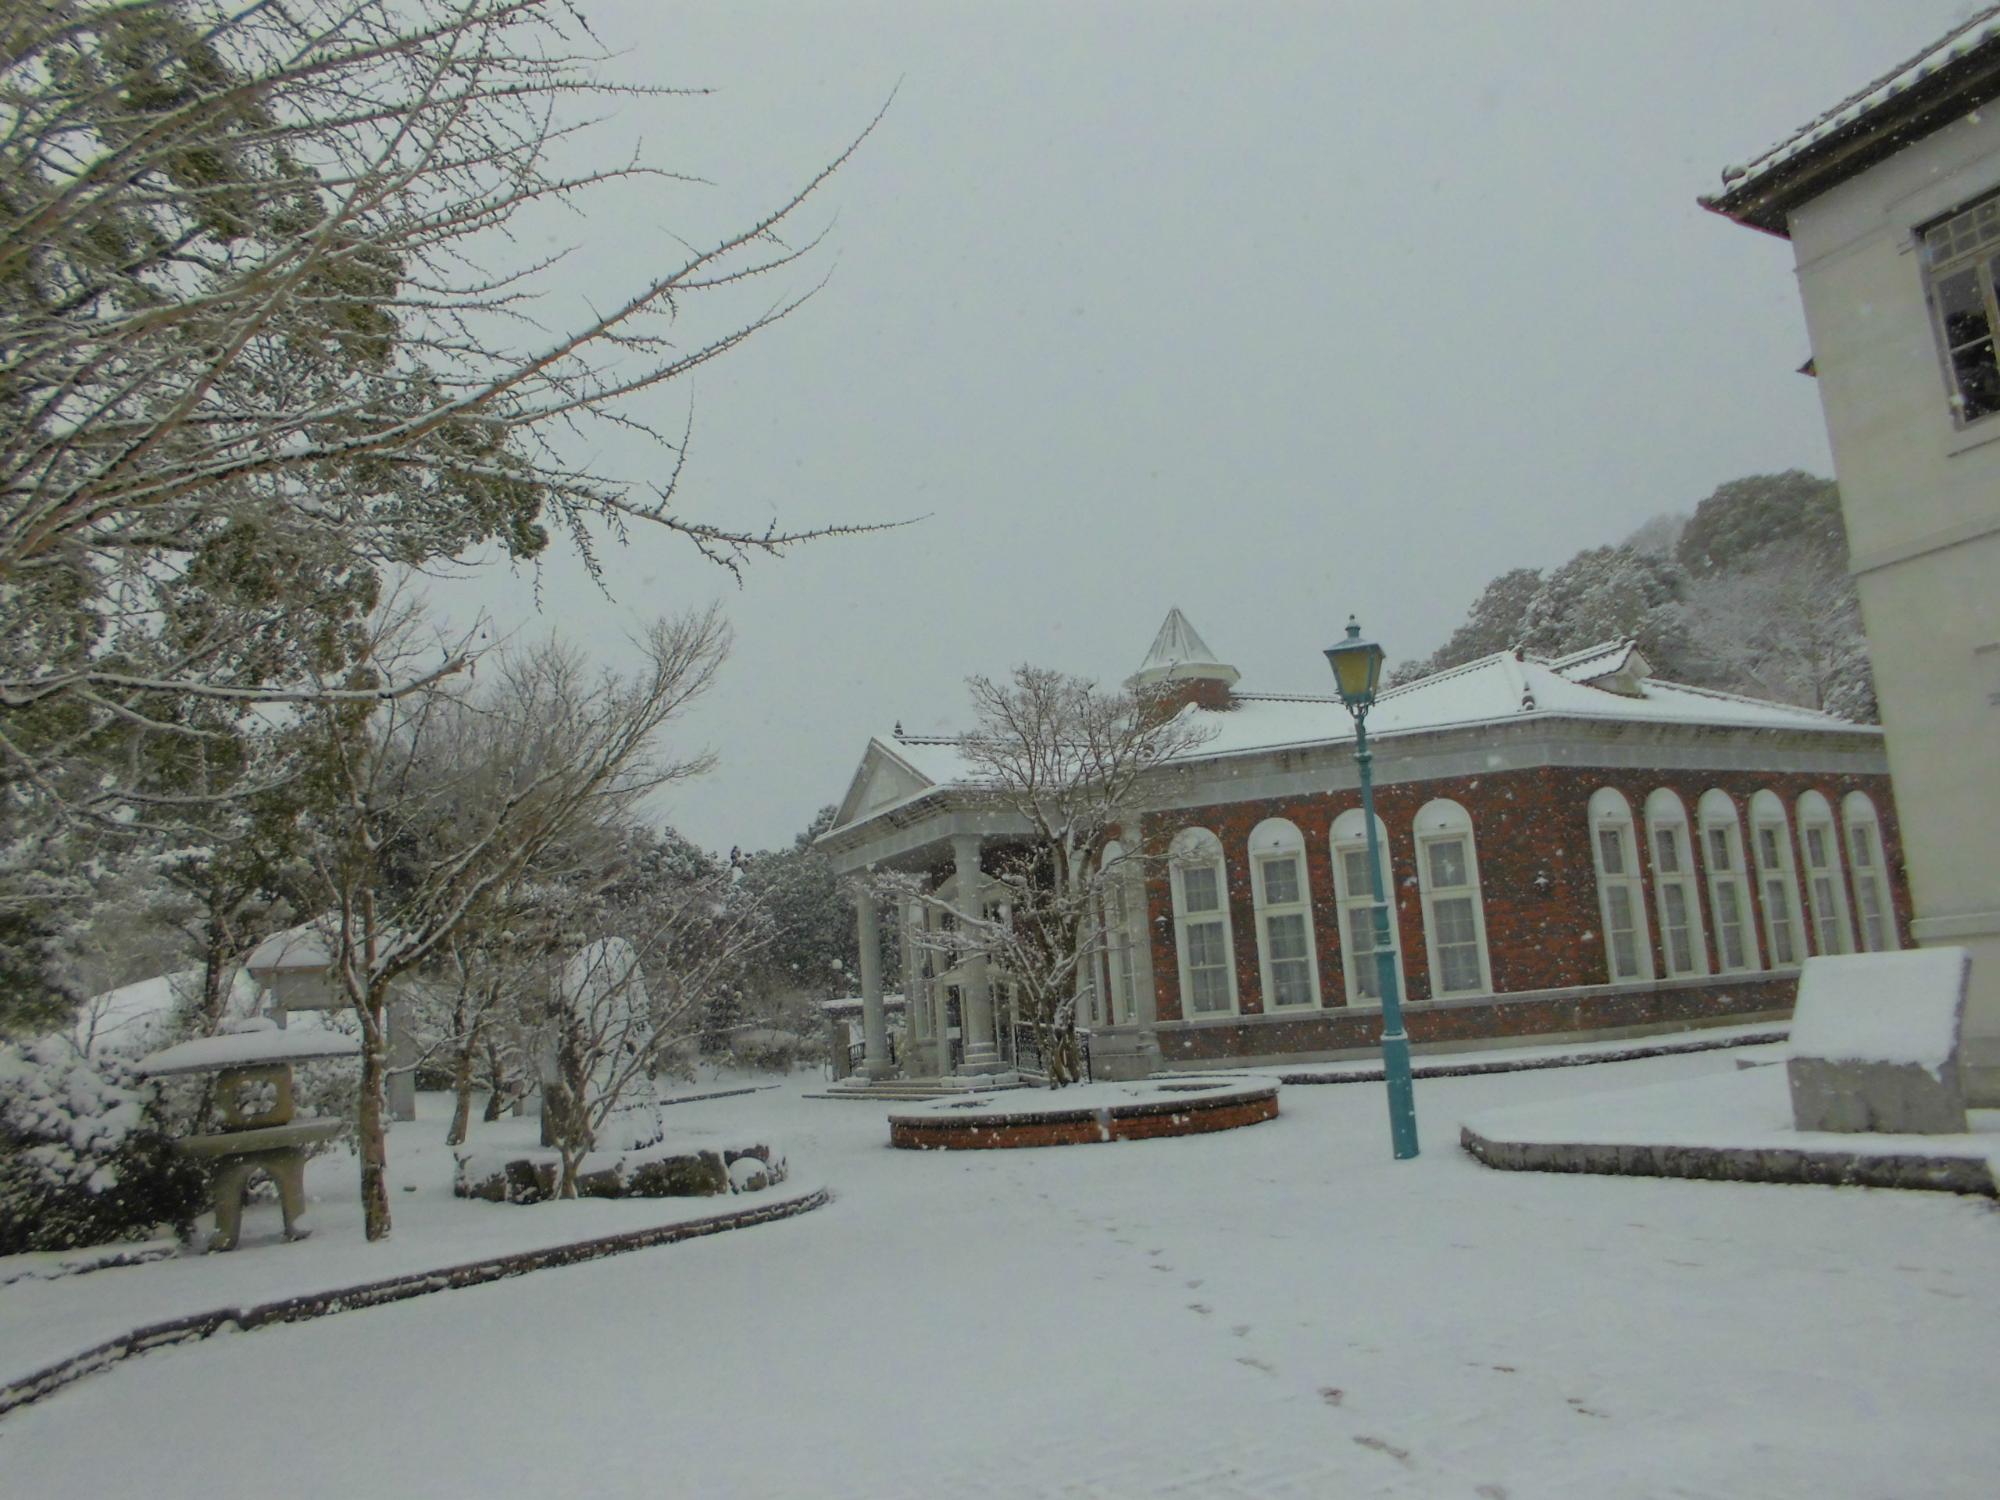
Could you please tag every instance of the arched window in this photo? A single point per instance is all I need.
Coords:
(1728, 898)
(1871, 873)
(1673, 884)
(1356, 895)
(1825, 889)
(1201, 923)
(1771, 839)
(1628, 950)
(1284, 915)
(1118, 903)
(1454, 914)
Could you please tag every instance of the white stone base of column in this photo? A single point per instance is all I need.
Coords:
(981, 1061)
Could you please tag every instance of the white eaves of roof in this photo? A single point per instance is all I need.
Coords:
(1966, 37)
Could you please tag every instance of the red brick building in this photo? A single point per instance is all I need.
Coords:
(1571, 846)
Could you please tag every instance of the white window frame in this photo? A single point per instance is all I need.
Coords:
(1611, 825)
(1273, 840)
(1439, 822)
(1194, 849)
(1718, 814)
(1666, 818)
(1767, 815)
(1826, 884)
(1868, 864)
(1965, 243)
(1349, 835)
(1115, 891)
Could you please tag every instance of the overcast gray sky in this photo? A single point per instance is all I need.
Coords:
(1271, 311)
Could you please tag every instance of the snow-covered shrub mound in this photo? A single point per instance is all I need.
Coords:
(84, 1156)
(664, 1170)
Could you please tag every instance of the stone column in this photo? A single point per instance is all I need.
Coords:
(874, 1025)
(976, 998)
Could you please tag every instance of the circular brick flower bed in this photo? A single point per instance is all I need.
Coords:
(1077, 1116)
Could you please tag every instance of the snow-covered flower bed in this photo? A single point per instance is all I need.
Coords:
(1144, 1109)
(664, 1169)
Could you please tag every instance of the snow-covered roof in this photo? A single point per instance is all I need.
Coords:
(1501, 688)
(1955, 74)
(1609, 683)
(1178, 654)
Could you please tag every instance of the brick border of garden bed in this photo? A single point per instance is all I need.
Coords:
(1143, 1120)
(194, 1327)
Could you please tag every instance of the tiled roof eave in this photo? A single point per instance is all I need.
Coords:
(1832, 150)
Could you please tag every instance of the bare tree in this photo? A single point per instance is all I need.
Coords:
(1064, 758)
(257, 348)
(410, 848)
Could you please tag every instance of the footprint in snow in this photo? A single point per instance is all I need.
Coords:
(1257, 1364)
(1491, 1492)
(1194, 1285)
(1384, 1446)
(1332, 1395)
(1201, 1307)
(1239, 1329)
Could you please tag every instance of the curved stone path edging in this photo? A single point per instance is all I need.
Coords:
(194, 1327)
(1022, 1126)
(1947, 1174)
(1530, 1064)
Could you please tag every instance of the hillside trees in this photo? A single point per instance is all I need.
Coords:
(1750, 593)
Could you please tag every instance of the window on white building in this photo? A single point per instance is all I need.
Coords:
(1771, 840)
(1454, 914)
(1284, 915)
(1728, 896)
(1201, 923)
(1628, 950)
(1356, 896)
(1871, 873)
(1673, 885)
(1826, 890)
(1961, 256)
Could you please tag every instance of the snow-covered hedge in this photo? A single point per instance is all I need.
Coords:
(83, 1155)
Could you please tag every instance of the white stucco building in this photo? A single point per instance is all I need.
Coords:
(1892, 203)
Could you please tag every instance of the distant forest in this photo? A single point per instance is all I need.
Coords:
(1749, 594)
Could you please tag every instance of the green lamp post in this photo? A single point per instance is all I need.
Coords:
(1357, 669)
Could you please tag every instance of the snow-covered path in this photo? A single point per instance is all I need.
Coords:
(1277, 1311)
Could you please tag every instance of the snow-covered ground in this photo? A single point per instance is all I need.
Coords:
(1278, 1310)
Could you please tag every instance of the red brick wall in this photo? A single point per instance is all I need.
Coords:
(1538, 881)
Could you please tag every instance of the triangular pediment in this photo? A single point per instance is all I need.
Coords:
(882, 778)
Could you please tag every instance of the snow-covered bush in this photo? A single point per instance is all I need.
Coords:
(83, 1155)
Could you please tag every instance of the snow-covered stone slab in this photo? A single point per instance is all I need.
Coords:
(1874, 1043)
(248, 1048)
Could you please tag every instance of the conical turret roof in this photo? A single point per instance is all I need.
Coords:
(1179, 654)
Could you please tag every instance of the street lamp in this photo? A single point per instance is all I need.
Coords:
(1357, 668)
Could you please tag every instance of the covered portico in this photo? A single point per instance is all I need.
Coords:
(915, 809)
